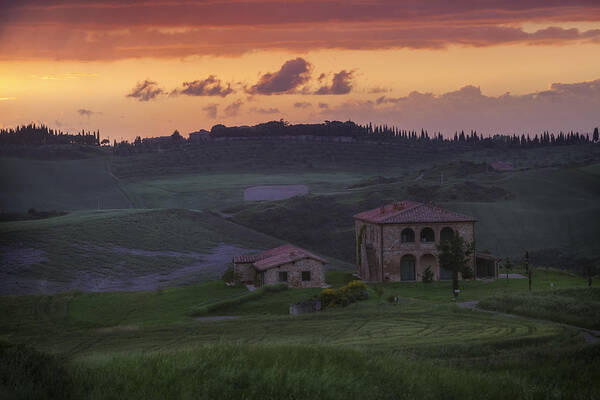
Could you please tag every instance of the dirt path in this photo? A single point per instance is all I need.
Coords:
(217, 318)
(590, 335)
(274, 192)
(118, 182)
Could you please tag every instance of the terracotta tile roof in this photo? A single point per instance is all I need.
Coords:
(487, 256)
(275, 257)
(410, 211)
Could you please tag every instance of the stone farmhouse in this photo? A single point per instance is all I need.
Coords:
(296, 267)
(397, 242)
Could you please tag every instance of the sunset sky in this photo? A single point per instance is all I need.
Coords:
(145, 68)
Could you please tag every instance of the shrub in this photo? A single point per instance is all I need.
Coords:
(467, 273)
(427, 275)
(328, 296)
(350, 293)
(229, 276)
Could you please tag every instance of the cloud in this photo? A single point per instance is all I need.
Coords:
(323, 105)
(290, 76)
(176, 17)
(271, 110)
(233, 109)
(67, 76)
(210, 86)
(211, 110)
(86, 113)
(145, 91)
(109, 29)
(302, 104)
(377, 90)
(7, 98)
(564, 106)
(341, 84)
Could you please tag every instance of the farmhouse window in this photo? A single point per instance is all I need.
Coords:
(407, 236)
(306, 275)
(283, 276)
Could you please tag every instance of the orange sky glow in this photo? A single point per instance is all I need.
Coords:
(148, 67)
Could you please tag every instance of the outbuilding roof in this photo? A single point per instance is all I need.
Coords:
(403, 212)
(275, 257)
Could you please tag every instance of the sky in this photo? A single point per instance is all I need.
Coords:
(148, 67)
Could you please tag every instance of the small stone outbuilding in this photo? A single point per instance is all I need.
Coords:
(397, 242)
(296, 267)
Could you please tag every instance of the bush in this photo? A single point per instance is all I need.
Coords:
(229, 276)
(427, 275)
(350, 293)
(467, 273)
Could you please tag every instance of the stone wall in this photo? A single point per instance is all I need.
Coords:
(369, 268)
(294, 270)
(244, 272)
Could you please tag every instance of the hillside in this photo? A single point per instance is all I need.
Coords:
(547, 210)
(133, 249)
(547, 204)
(62, 184)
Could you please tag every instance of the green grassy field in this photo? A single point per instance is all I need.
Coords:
(221, 190)
(63, 185)
(576, 307)
(137, 288)
(133, 249)
(147, 345)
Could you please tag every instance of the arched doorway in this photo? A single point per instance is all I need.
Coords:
(428, 260)
(446, 234)
(407, 268)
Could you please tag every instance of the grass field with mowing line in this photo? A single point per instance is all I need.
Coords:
(579, 307)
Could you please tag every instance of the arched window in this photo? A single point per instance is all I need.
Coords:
(407, 268)
(407, 236)
(446, 234)
(427, 235)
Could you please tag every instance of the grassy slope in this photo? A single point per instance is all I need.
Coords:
(221, 190)
(106, 245)
(551, 208)
(58, 185)
(145, 345)
(155, 316)
(570, 306)
(229, 371)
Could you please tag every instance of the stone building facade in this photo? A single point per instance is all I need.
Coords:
(397, 242)
(293, 266)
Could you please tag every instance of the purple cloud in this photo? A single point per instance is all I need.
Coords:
(145, 91)
(210, 86)
(341, 84)
(290, 76)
